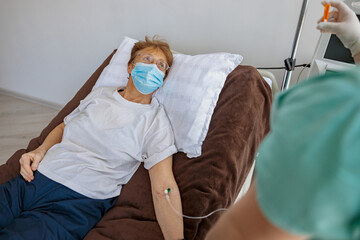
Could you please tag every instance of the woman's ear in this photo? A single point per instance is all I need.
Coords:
(130, 67)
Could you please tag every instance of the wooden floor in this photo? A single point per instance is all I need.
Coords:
(20, 121)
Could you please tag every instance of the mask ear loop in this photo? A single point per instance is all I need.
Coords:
(185, 216)
(133, 65)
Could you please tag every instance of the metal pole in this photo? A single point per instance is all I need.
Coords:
(290, 62)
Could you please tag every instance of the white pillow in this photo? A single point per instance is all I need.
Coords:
(189, 94)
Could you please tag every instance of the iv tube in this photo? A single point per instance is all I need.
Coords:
(185, 216)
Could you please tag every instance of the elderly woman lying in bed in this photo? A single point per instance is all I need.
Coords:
(69, 182)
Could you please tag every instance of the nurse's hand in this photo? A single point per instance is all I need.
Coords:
(29, 162)
(344, 23)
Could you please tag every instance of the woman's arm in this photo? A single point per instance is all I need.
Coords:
(29, 162)
(54, 137)
(246, 221)
(162, 178)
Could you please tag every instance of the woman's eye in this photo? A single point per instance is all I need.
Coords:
(161, 65)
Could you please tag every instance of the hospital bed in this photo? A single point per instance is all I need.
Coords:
(208, 182)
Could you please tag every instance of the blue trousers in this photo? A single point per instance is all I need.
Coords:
(45, 209)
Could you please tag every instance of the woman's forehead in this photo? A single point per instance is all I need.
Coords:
(156, 52)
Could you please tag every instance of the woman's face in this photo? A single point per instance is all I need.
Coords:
(150, 55)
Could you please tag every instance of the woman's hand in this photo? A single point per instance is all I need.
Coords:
(344, 23)
(29, 162)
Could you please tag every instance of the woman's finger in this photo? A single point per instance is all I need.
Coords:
(25, 167)
(24, 175)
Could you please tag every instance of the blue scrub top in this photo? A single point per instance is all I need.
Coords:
(308, 167)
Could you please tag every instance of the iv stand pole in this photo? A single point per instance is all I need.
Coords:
(290, 62)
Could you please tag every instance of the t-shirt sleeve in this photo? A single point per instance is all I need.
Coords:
(159, 142)
(83, 104)
(307, 170)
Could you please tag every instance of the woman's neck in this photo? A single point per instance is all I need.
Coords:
(131, 94)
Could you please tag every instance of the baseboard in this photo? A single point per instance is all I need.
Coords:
(31, 99)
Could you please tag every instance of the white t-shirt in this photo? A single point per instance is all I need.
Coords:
(104, 141)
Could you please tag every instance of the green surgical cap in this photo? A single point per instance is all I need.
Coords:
(308, 167)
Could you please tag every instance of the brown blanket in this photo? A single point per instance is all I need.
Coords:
(211, 181)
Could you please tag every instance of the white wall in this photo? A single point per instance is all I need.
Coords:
(48, 49)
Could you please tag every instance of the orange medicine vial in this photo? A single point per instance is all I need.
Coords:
(326, 12)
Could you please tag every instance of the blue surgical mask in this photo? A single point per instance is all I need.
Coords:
(147, 77)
